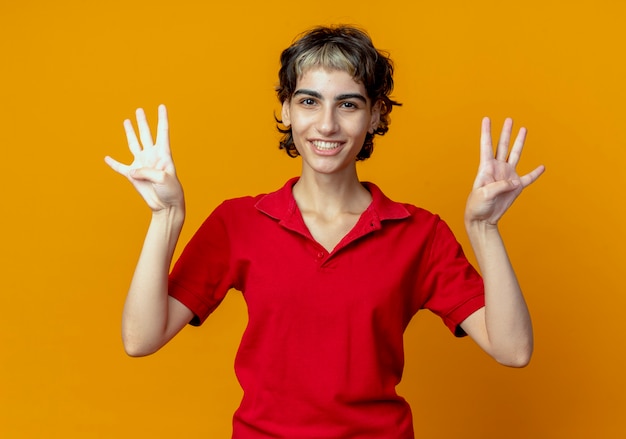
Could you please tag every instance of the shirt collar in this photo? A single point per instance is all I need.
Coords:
(281, 204)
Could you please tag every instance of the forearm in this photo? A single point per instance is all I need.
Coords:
(145, 317)
(508, 328)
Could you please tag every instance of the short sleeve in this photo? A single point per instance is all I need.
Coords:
(202, 275)
(455, 289)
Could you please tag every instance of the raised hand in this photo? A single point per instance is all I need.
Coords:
(497, 183)
(152, 171)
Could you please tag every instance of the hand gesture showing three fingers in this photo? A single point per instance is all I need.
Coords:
(497, 183)
(152, 171)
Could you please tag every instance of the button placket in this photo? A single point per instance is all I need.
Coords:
(320, 255)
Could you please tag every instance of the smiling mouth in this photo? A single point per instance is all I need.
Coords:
(325, 146)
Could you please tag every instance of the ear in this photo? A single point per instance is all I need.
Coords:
(285, 114)
(375, 119)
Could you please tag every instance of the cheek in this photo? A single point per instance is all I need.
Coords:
(360, 128)
(298, 132)
(299, 124)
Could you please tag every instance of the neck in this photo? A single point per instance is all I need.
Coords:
(331, 195)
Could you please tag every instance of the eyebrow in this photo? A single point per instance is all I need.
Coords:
(340, 97)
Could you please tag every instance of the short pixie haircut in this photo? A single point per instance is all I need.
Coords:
(343, 48)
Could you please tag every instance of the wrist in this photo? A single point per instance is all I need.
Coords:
(479, 230)
(479, 224)
(173, 215)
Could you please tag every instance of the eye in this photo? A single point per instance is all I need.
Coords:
(349, 105)
(307, 101)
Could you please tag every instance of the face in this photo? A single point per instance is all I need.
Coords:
(329, 115)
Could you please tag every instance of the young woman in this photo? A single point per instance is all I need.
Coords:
(332, 271)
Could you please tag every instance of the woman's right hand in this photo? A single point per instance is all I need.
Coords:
(152, 171)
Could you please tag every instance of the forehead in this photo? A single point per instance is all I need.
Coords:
(329, 81)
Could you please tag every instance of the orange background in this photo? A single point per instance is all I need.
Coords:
(71, 71)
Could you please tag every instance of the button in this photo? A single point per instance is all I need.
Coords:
(320, 255)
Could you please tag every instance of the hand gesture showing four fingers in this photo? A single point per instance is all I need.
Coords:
(497, 183)
(152, 171)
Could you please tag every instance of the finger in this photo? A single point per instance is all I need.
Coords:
(131, 138)
(505, 136)
(117, 166)
(486, 148)
(144, 129)
(532, 175)
(163, 128)
(518, 146)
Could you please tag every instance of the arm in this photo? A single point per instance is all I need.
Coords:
(151, 318)
(503, 327)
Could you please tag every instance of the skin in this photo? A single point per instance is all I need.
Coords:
(329, 115)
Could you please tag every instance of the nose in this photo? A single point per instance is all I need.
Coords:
(327, 123)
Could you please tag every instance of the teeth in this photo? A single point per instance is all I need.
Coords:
(327, 146)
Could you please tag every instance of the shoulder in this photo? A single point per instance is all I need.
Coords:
(273, 204)
(243, 203)
(411, 222)
(388, 209)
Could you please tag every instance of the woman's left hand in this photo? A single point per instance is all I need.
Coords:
(497, 183)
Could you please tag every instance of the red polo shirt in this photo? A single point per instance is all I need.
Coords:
(323, 352)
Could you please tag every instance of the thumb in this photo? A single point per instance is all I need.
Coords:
(151, 175)
(496, 188)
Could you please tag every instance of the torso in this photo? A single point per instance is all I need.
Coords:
(323, 350)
